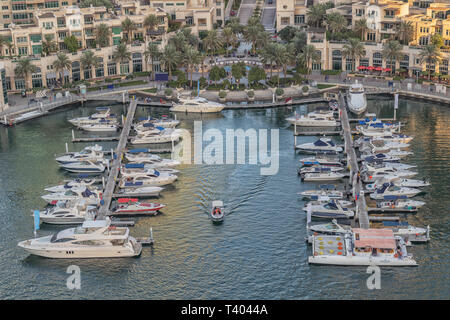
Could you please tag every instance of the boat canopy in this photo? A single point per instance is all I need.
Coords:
(102, 108)
(321, 143)
(327, 186)
(83, 175)
(160, 128)
(87, 193)
(156, 173)
(132, 184)
(395, 223)
(148, 124)
(374, 238)
(394, 197)
(137, 150)
(134, 166)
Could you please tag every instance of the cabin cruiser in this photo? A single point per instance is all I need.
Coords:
(130, 174)
(155, 179)
(390, 189)
(131, 169)
(316, 168)
(141, 192)
(330, 210)
(390, 173)
(395, 165)
(77, 183)
(142, 156)
(323, 145)
(197, 105)
(93, 239)
(356, 101)
(314, 119)
(322, 161)
(104, 113)
(94, 153)
(400, 182)
(164, 122)
(91, 196)
(361, 247)
(127, 206)
(163, 136)
(399, 202)
(68, 212)
(322, 176)
(322, 192)
(383, 132)
(377, 146)
(100, 127)
(383, 157)
(86, 166)
(217, 212)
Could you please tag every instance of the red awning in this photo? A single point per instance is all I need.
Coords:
(370, 68)
(362, 68)
(378, 69)
(387, 69)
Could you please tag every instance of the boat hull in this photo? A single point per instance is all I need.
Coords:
(361, 261)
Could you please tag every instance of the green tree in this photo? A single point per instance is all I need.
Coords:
(256, 74)
(102, 35)
(288, 57)
(191, 59)
(392, 51)
(431, 55)
(353, 49)
(62, 63)
(212, 43)
(151, 54)
(89, 61)
(128, 27)
(216, 74)
(315, 15)
(307, 57)
(361, 27)
(121, 55)
(251, 34)
(95, 3)
(268, 55)
(25, 68)
(335, 22)
(229, 37)
(48, 45)
(437, 40)
(299, 41)
(238, 70)
(405, 32)
(287, 33)
(151, 22)
(71, 43)
(170, 59)
(236, 26)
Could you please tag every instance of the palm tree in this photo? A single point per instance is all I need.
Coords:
(353, 49)
(279, 55)
(430, 54)
(406, 31)
(89, 61)
(191, 59)
(229, 38)
(262, 39)
(25, 68)
(202, 58)
(315, 15)
(179, 41)
(102, 35)
(236, 26)
(170, 59)
(392, 51)
(10, 46)
(361, 27)
(308, 56)
(212, 41)
(151, 22)
(251, 34)
(2, 43)
(191, 38)
(48, 45)
(128, 27)
(151, 54)
(336, 22)
(268, 55)
(121, 54)
(62, 63)
(288, 57)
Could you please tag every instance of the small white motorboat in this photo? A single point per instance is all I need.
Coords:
(322, 176)
(322, 161)
(403, 203)
(319, 169)
(196, 105)
(103, 113)
(92, 197)
(148, 122)
(141, 192)
(130, 206)
(86, 166)
(163, 136)
(330, 210)
(314, 120)
(133, 169)
(323, 145)
(315, 194)
(100, 127)
(142, 156)
(398, 153)
(68, 212)
(153, 179)
(77, 183)
(94, 153)
(400, 182)
(390, 189)
(217, 213)
(379, 157)
(356, 98)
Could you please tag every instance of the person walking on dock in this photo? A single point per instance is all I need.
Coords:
(358, 177)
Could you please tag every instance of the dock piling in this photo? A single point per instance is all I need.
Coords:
(67, 148)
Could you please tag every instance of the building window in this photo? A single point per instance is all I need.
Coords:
(348, 64)
(112, 68)
(137, 62)
(16, 7)
(189, 21)
(391, 65)
(23, 51)
(317, 66)
(99, 72)
(443, 67)
(202, 22)
(22, 40)
(53, 4)
(87, 73)
(76, 75)
(377, 60)
(404, 63)
(124, 68)
(364, 62)
(336, 58)
(285, 21)
(423, 41)
(36, 80)
(20, 84)
(299, 19)
(371, 37)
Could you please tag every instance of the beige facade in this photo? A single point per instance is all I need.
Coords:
(291, 13)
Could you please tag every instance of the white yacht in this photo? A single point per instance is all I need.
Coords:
(400, 182)
(68, 212)
(155, 179)
(88, 153)
(322, 192)
(142, 156)
(197, 105)
(390, 189)
(330, 210)
(77, 183)
(318, 168)
(163, 136)
(139, 191)
(356, 101)
(314, 119)
(379, 157)
(322, 176)
(395, 202)
(86, 166)
(133, 169)
(93, 239)
(100, 127)
(92, 197)
(322, 161)
(103, 113)
(323, 145)
(149, 122)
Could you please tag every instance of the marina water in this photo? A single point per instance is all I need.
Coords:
(259, 252)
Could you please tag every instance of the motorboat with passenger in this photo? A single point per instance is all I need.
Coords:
(217, 212)
(92, 197)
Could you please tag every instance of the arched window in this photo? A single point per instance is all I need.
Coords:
(99, 71)
(36, 78)
(137, 62)
(336, 57)
(377, 60)
(76, 76)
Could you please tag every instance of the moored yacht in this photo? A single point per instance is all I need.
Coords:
(94, 153)
(323, 145)
(197, 105)
(356, 101)
(390, 189)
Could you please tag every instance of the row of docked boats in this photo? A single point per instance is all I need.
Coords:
(389, 183)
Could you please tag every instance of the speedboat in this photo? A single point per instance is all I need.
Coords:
(197, 105)
(322, 161)
(376, 146)
(321, 176)
(316, 194)
(356, 101)
(94, 153)
(399, 153)
(93, 239)
(164, 122)
(103, 113)
(92, 197)
(217, 213)
(383, 132)
(313, 169)
(130, 206)
(100, 127)
(383, 157)
(141, 192)
(163, 136)
(400, 182)
(86, 166)
(390, 173)
(314, 119)
(323, 145)
(154, 179)
(361, 247)
(330, 210)
(68, 212)
(77, 183)
(396, 202)
(395, 165)
(142, 156)
(390, 189)
(132, 169)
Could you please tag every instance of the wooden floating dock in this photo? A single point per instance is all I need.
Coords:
(384, 218)
(390, 210)
(93, 139)
(115, 167)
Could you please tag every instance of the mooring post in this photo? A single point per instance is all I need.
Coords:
(73, 135)
(123, 121)
(112, 154)
(103, 182)
(67, 148)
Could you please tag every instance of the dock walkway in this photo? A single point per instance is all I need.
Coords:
(361, 207)
(115, 167)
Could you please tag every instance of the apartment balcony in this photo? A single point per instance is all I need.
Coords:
(316, 40)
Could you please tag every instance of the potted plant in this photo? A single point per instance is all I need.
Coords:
(279, 92)
(168, 92)
(222, 96)
(305, 90)
(251, 95)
